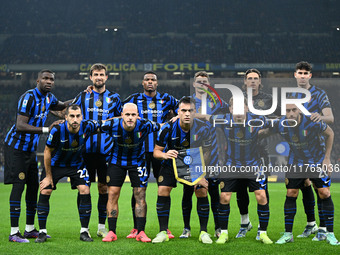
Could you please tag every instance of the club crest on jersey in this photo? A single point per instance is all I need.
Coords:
(260, 103)
(128, 140)
(43, 108)
(240, 134)
(74, 143)
(152, 105)
(98, 103)
(108, 100)
(185, 143)
(295, 138)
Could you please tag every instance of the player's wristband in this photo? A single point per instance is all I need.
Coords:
(45, 130)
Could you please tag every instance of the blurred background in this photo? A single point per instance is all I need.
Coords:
(173, 38)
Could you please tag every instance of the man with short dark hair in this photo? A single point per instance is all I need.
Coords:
(20, 157)
(101, 104)
(154, 106)
(63, 158)
(320, 108)
(184, 133)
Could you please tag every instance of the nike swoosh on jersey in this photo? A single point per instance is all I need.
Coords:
(174, 138)
(140, 101)
(63, 141)
(116, 135)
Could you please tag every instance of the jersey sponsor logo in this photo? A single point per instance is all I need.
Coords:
(97, 110)
(41, 115)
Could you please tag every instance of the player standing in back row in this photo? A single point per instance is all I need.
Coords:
(154, 106)
(99, 105)
(21, 144)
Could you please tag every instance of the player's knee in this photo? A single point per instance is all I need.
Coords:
(324, 193)
(164, 191)
(83, 189)
(102, 188)
(201, 192)
(225, 197)
(139, 194)
(47, 192)
(292, 192)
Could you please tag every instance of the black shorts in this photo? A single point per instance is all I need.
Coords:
(78, 176)
(96, 166)
(117, 174)
(20, 166)
(232, 185)
(293, 183)
(156, 164)
(167, 177)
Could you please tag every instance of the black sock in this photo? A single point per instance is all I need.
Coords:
(223, 216)
(308, 203)
(328, 212)
(163, 212)
(15, 203)
(188, 191)
(31, 202)
(290, 211)
(43, 210)
(242, 197)
(102, 202)
(203, 212)
(140, 223)
(320, 211)
(214, 202)
(84, 209)
(133, 206)
(112, 224)
(263, 213)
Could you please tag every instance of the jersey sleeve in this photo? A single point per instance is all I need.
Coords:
(77, 99)
(163, 135)
(320, 127)
(106, 127)
(324, 101)
(129, 99)
(25, 104)
(54, 100)
(152, 126)
(91, 126)
(54, 137)
(118, 106)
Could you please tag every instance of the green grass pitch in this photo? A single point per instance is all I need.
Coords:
(64, 226)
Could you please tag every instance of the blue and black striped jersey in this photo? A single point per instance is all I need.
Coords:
(95, 106)
(68, 147)
(212, 108)
(35, 106)
(172, 137)
(153, 108)
(319, 100)
(242, 140)
(128, 148)
(303, 140)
